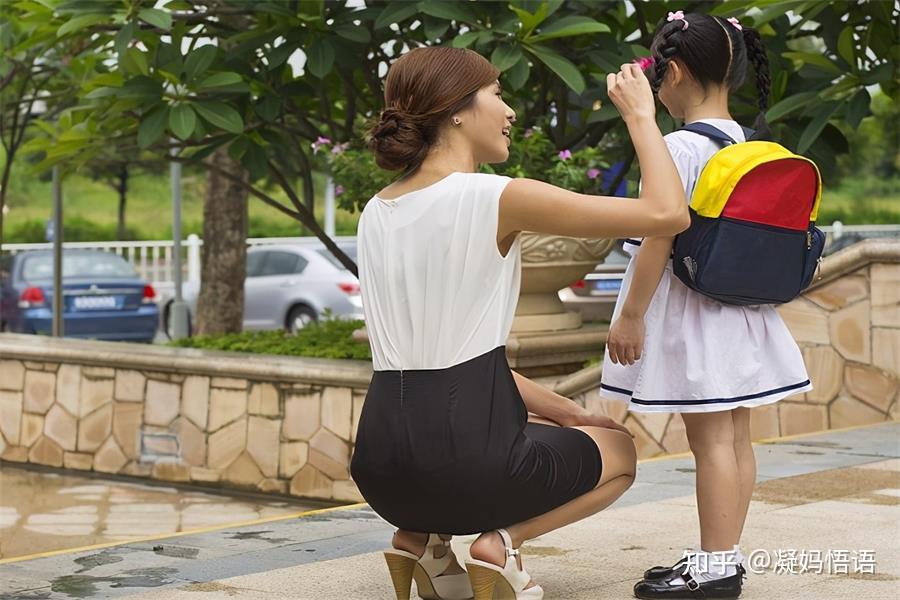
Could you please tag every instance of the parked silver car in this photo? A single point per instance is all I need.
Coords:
(290, 286)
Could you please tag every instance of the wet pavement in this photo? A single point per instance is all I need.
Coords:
(43, 511)
(837, 491)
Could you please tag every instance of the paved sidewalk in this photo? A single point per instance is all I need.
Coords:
(833, 491)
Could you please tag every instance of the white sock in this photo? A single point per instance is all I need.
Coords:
(710, 566)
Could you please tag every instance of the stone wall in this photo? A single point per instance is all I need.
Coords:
(287, 425)
(848, 326)
(263, 424)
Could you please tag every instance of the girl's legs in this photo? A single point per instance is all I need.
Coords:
(619, 465)
(746, 461)
(712, 440)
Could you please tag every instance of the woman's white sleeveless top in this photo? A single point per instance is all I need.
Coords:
(436, 291)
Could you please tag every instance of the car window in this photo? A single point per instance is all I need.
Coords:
(254, 263)
(280, 263)
(93, 264)
(348, 250)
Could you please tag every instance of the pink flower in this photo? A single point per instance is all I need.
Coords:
(338, 190)
(528, 133)
(565, 154)
(593, 173)
(340, 148)
(320, 141)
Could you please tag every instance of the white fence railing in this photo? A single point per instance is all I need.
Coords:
(153, 259)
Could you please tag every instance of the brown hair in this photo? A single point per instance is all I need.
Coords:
(424, 87)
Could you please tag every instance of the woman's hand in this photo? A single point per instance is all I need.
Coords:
(585, 418)
(625, 342)
(630, 92)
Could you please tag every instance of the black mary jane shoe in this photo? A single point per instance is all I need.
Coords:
(728, 588)
(658, 573)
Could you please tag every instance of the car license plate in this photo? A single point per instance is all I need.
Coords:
(94, 302)
(607, 285)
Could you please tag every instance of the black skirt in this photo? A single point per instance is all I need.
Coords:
(451, 451)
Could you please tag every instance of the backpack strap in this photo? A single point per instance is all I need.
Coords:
(714, 133)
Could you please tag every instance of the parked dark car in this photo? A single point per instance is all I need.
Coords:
(103, 296)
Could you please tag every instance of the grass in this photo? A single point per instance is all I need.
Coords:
(324, 339)
(91, 208)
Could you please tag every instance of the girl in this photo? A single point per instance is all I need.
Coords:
(444, 446)
(671, 349)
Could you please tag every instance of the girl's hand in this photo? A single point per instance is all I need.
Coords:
(630, 92)
(626, 340)
(588, 419)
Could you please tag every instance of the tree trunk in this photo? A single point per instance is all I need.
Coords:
(123, 194)
(220, 307)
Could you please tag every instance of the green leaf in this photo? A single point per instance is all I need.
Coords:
(560, 65)
(178, 5)
(182, 120)
(518, 74)
(268, 107)
(255, 161)
(124, 37)
(102, 92)
(845, 46)
(505, 56)
(568, 27)
(465, 40)
(788, 105)
(141, 87)
(396, 12)
(217, 80)
(320, 58)
(220, 114)
(134, 61)
(79, 23)
(815, 127)
(606, 112)
(435, 28)
(157, 18)
(815, 60)
(353, 33)
(452, 11)
(199, 60)
(152, 126)
(858, 108)
(529, 20)
(238, 147)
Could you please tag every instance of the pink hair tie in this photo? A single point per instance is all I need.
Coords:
(736, 23)
(678, 16)
(645, 62)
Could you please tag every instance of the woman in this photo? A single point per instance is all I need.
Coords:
(444, 444)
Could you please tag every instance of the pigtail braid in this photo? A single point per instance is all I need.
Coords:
(666, 50)
(756, 54)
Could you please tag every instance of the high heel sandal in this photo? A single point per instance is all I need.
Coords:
(507, 583)
(427, 571)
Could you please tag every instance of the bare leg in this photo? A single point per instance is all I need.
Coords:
(619, 464)
(746, 460)
(711, 438)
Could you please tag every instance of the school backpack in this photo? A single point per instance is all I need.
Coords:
(752, 238)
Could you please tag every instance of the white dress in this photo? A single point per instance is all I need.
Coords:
(701, 355)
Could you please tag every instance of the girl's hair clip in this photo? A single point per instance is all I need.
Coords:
(735, 23)
(678, 16)
(645, 63)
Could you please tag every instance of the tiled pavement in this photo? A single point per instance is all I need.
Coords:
(833, 491)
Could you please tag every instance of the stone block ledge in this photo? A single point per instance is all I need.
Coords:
(188, 361)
